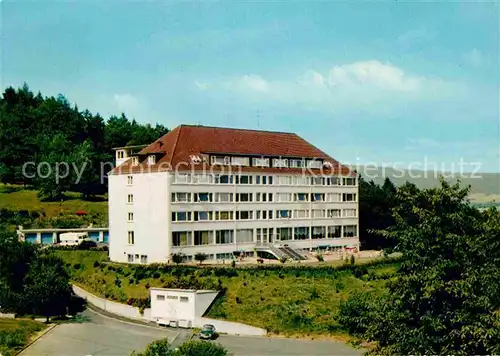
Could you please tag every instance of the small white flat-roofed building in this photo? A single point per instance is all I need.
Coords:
(222, 192)
(179, 307)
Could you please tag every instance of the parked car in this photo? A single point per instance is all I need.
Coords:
(207, 332)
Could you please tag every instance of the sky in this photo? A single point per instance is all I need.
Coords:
(402, 84)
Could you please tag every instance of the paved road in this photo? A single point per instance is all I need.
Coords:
(103, 336)
(263, 346)
(98, 336)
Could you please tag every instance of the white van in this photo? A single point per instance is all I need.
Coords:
(72, 238)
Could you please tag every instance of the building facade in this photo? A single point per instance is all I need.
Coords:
(224, 191)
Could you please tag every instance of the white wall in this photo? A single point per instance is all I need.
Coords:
(120, 309)
(230, 327)
(150, 224)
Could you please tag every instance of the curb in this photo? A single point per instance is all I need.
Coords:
(92, 308)
(38, 337)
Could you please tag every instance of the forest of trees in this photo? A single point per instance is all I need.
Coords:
(34, 128)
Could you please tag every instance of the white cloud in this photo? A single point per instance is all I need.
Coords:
(474, 58)
(126, 103)
(384, 76)
(254, 82)
(364, 85)
(201, 85)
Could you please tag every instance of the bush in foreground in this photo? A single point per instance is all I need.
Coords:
(189, 348)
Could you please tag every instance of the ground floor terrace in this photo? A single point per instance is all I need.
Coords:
(226, 243)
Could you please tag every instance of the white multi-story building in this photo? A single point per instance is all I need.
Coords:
(224, 191)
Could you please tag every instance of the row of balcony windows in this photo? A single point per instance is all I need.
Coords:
(188, 216)
(221, 237)
(188, 178)
(206, 197)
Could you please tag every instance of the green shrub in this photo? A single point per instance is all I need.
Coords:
(198, 348)
(157, 348)
(356, 313)
(320, 257)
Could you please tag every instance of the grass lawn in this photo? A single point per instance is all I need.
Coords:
(15, 333)
(296, 300)
(17, 198)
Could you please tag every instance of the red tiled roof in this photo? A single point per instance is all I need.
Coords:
(175, 148)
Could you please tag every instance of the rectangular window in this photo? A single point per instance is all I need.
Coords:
(334, 197)
(257, 179)
(202, 197)
(334, 232)
(172, 297)
(243, 179)
(334, 213)
(317, 180)
(315, 164)
(270, 197)
(130, 258)
(296, 163)
(223, 215)
(151, 160)
(240, 161)
(285, 233)
(203, 215)
(301, 197)
(350, 230)
(135, 161)
(260, 162)
(221, 160)
(301, 214)
(244, 197)
(181, 216)
(270, 214)
(130, 198)
(224, 236)
(130, 180)
(264, 214)
(224, 197)
(184, 299)
(333, 181)
(280, 162)
(270, 180)
(223, 179)
(349, 197)
(244, 235)
(182, 178)
(318, 213)
(130, 217)
(203, 238)
(160, 297)
(318, 232)
(264, 179)
(244, 215)
(257, 197)
(284, 180)
(144, 259)
(284, 214)
(349, 213)
(202, 178)
(301, 233)
(181, 197)
(349, 181)
(130, 237)
(318, 197)
(120, 154)
(181, 238)
(284, 197)
(301, 180)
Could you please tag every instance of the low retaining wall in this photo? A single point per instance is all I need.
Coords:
(131, 312)
(116, 308)
(230, 327)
